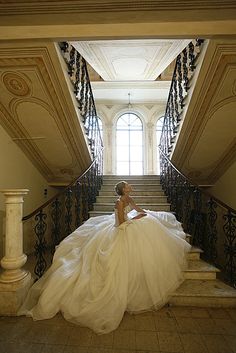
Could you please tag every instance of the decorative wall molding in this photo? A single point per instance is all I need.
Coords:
(38, 111)
(206, 144)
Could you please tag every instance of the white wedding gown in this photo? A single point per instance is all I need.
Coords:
(102, 270)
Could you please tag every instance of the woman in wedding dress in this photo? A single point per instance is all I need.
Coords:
(130, 261)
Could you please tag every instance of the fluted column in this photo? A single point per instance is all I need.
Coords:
(14, 281)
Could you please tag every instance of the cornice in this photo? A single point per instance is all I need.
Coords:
(22, 7)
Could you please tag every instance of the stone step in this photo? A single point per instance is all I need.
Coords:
(134, 193)
(132, 181)
(136, 187)
(128, 177)
(204, 293)
(200, 270)
(194, 253)
(102, 212)
(148, 206)
(137, 199)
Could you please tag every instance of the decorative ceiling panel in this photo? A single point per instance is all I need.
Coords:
(130, 60)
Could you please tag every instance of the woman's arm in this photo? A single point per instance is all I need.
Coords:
(137, 208)
(134, 206)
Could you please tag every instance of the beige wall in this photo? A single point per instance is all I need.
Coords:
(18, 172)
(224, 189)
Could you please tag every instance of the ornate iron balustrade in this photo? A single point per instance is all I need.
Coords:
(61, 215)
(210, 222)
(183, 72)
(77, 70)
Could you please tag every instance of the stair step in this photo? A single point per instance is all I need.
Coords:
(200, 270)
(132, 181)
(134, 193)
(194, 253)
(136, 187)
(137, 199)
(149, 206)
(128, 177)
(204, 293)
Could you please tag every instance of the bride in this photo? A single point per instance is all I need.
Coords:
(130, 261)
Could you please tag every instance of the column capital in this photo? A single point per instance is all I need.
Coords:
(10, 192)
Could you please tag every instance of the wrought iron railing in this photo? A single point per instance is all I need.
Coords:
(66, 211)
(62, 214)
(77, 70)
(180, 85)
(210, 222)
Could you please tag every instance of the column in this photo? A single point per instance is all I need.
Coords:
(109, 149)
(14, 281)
(150, 149)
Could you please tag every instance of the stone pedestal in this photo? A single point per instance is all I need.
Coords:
(14, 281)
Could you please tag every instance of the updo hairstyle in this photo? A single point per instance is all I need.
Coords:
(119, 187)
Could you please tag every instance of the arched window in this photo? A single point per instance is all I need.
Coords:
(129, 145)
(159, 126)
(100, 127)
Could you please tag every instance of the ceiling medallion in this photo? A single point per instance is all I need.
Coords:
(16, 84)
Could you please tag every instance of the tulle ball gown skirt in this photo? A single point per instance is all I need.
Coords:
(100, 271)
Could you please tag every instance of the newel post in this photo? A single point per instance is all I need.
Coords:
(14, 281)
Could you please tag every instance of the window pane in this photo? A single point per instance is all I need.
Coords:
(136, 168)
(122, 153)
(135, 122)
(158, 137)
(136, 138)
(123, 122)
(136, 154)
(122, 138)
(129, 144)
(122, 168)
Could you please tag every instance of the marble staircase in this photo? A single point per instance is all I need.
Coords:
(147, 193)
(201, 286)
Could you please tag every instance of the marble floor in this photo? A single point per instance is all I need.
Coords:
(171, 329)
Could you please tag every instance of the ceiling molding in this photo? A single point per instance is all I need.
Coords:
(151, 92)
(19, 7)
